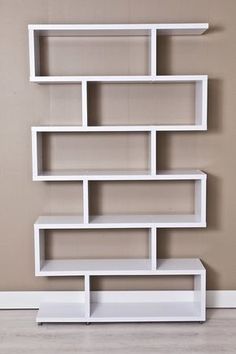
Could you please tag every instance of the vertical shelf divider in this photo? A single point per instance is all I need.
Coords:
(37, 159)
(200, 292)
(153, 247)
(153, 154)
(201, 103)
(87, 296)
(153, 52)
(84, 88)
(86, 201)
(200, 198)
(39, 248)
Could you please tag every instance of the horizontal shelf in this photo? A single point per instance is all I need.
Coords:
(119, 29)
(116, 79)
(75, 267)
(188, 220)
(145, 312)
(110, 175)
(115, 128)
(119, 221)
(121, 312)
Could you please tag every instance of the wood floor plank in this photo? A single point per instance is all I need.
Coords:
(20, 334)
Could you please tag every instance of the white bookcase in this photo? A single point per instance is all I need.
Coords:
(120, 306)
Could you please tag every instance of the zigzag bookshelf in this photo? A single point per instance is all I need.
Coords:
(119, 306)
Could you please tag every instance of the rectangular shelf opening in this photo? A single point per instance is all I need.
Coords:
(145, 199)
(93, 55)
(150, 298)
(56, 47)
(79, 154)
(65, 104)
(176, 292)
(161, 103)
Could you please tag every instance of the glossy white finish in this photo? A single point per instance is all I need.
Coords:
(117, 128)
(121, 306)
(142, 29)
(61, 312)
(119, 221)
(124, 79)
(80, 267)
(146, 312)
(151, 30)
(135, 305)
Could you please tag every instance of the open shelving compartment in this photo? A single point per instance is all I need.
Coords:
(151, 31)
(120, 306)
(139, 305)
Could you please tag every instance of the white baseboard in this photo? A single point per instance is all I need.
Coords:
(32, 299)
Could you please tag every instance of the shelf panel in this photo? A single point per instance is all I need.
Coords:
(121, 78)
(188, 220)
(145, 312)
(120, 312)
(76, 267)
(118, 175)
(119, 221)
(92, 175)
(119, 29)
(115, 128)
(61, 312)
(73, 267)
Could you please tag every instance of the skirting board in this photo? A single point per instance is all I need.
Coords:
(32, 299)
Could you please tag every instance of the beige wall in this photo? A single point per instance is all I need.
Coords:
(23, 104)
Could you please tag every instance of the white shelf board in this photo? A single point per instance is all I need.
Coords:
(120, 312)
(78, 267)
(61, 312)
(145, 312)
(119, 221)
(119, 29)
(116, 128)
(121, 79)
(161, 221)
(118, 175)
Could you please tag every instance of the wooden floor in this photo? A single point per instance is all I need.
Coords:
(20, 334)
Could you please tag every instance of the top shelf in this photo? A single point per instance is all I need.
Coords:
(119, 29)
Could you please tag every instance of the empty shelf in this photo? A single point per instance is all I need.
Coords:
(155, 311)
(119, 221)
(71, 267)
(76, 267)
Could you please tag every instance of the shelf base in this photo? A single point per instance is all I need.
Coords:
(121, 312)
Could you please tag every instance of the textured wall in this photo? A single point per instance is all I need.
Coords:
(24, 104)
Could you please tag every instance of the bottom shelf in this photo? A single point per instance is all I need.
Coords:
(61, 312)
(121, 312)
(145, 312)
